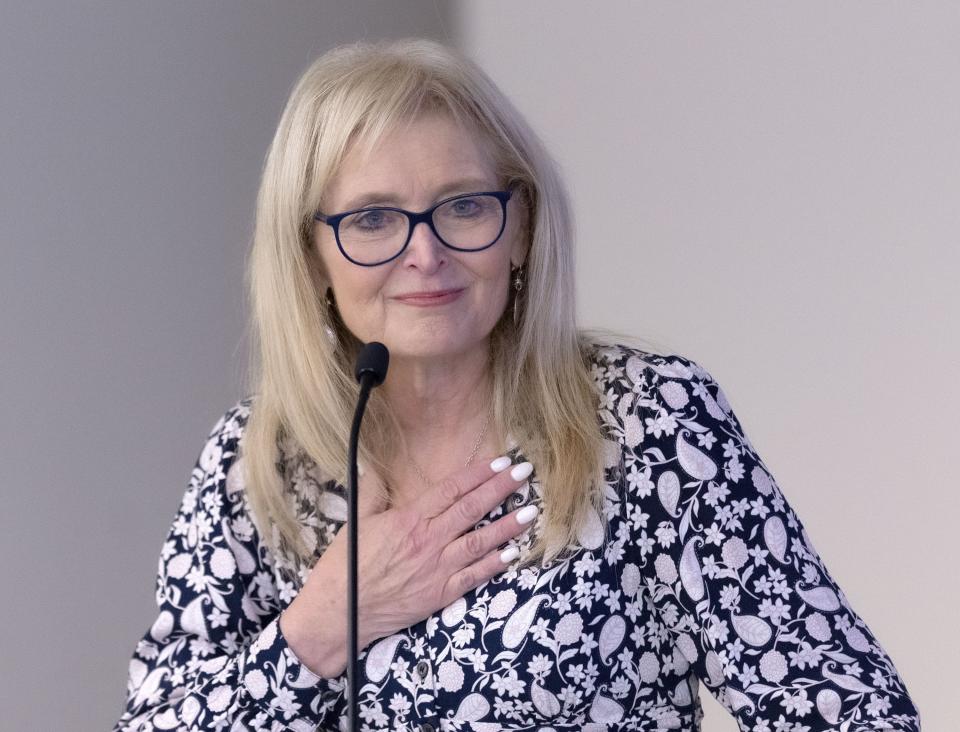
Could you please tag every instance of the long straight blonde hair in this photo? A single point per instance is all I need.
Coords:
(302, 357)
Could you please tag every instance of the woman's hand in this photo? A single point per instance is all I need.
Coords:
(412, 561)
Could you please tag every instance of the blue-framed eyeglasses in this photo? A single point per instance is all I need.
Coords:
(468, 222)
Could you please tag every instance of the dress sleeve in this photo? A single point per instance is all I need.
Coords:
(738, 585)
(214, 657)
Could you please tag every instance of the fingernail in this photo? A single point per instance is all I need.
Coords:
(509, 554)
(360, 470)
(500, 464)
(527, 514)
(521, 471)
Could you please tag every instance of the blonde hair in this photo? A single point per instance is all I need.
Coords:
(302, 378)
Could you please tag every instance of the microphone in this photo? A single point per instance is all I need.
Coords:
(372, 362)
(370, 371)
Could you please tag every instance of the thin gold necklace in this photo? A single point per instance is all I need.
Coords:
(473, 453)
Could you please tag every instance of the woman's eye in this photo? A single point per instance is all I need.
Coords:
(465, 207)
(369, 219)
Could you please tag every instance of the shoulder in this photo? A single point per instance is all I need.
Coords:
(641, 391)
(223, 439)
(216, 478)
(620, 366)
(230, 424)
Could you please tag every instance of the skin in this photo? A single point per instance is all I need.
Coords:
(420, 552)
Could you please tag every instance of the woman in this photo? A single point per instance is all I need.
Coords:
(556, 533)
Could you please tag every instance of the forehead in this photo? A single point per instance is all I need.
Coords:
(411, 160)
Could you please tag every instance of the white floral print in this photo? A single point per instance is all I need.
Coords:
(697, 571)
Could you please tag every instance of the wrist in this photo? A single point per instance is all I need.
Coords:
(323, 652)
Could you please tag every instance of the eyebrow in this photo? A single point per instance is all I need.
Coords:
(463, 185)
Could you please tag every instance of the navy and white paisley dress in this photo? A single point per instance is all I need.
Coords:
(706, 576)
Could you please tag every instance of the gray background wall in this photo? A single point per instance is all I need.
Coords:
(789, 174)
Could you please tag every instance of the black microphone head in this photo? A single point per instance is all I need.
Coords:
(373, 360)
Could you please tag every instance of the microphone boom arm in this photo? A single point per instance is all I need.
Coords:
(371, 371)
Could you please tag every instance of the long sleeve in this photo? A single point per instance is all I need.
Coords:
(214, 657)
(740, 589)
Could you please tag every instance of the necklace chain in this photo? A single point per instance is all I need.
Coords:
(473, 453)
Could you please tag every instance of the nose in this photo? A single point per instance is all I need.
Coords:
(425, 251)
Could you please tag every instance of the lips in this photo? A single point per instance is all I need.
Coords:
(429, 297)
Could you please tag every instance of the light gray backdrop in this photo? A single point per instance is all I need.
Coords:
(132, 136)
(773, 189)
(770, 189)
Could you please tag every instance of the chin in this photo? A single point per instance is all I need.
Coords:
(432, 345)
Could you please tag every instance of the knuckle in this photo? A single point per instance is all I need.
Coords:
(466, 580)
(449, 489)
(475, 544)
(418, 537)
(469, 508)
(417, 542)
(428, 538)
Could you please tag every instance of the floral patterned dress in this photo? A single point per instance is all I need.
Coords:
(697, 572)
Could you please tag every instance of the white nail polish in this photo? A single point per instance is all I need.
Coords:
(509, 554)
(521, 471)
(527, 514)
(500, 464)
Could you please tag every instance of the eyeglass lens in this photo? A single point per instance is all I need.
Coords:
(376, 234)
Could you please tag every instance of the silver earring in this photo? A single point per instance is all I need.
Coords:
(517, 275)
(330, 333)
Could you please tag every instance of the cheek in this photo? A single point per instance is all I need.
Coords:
(495, 293)
(359, 297)
(356, 290)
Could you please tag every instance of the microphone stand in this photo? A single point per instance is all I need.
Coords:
(370, 371)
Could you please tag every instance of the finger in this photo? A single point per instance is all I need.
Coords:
(476, 504)
(448, 491)
(474, 575)
(476, 544)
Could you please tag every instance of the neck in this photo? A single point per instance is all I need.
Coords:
(440, 402)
